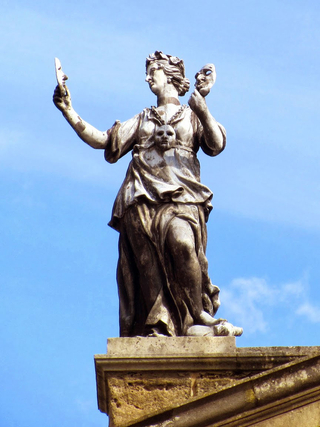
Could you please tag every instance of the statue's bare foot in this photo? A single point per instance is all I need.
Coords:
(156, 334)
(224, 329)
(207, 320)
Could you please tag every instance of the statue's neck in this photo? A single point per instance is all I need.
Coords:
(169, 95)
(161, 101)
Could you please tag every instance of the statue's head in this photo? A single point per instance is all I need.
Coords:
(173, 68)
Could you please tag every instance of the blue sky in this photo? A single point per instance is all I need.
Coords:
(58, 257)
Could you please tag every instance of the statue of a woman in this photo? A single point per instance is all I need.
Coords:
(162, 207)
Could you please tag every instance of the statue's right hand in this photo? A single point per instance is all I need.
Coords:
(62, 101)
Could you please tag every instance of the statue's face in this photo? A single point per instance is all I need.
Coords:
(205, 79)
(156, 78)
(165, 137)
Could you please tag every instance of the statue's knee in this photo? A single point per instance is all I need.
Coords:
(180, 240)
(185, 247)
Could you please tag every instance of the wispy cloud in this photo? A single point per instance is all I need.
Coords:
(254, 302)
(311, 312)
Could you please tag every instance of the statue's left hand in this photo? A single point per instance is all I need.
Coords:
(197, 103)
(62, 101)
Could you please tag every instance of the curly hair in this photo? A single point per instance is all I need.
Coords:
(173, 67)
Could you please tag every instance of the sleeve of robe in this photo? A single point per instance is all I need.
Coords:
(205, 145)
(121, 138)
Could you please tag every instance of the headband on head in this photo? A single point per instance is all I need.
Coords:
(158, 56)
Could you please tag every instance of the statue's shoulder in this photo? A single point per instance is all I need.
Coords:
(146, 113)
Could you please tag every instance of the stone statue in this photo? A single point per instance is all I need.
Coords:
(162, 207)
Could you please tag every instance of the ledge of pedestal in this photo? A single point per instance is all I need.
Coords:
(164, 346)
(139, 377)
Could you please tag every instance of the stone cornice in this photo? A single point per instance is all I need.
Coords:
(251, 400)
(230, 388)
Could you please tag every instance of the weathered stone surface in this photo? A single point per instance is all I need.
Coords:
(306, 416)
(162, 207)
(156, 379)
(139, 346)
(283, 396)
(133, 396)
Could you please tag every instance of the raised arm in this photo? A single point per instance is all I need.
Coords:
(213, 134)
(89, 134)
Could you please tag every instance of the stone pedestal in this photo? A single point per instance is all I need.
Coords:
(207, 381)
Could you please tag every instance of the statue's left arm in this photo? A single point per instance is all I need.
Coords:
(116, 141)
(213, 135)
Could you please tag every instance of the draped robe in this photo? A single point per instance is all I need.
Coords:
(159, 186)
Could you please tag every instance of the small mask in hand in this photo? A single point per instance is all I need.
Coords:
(205, 79)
